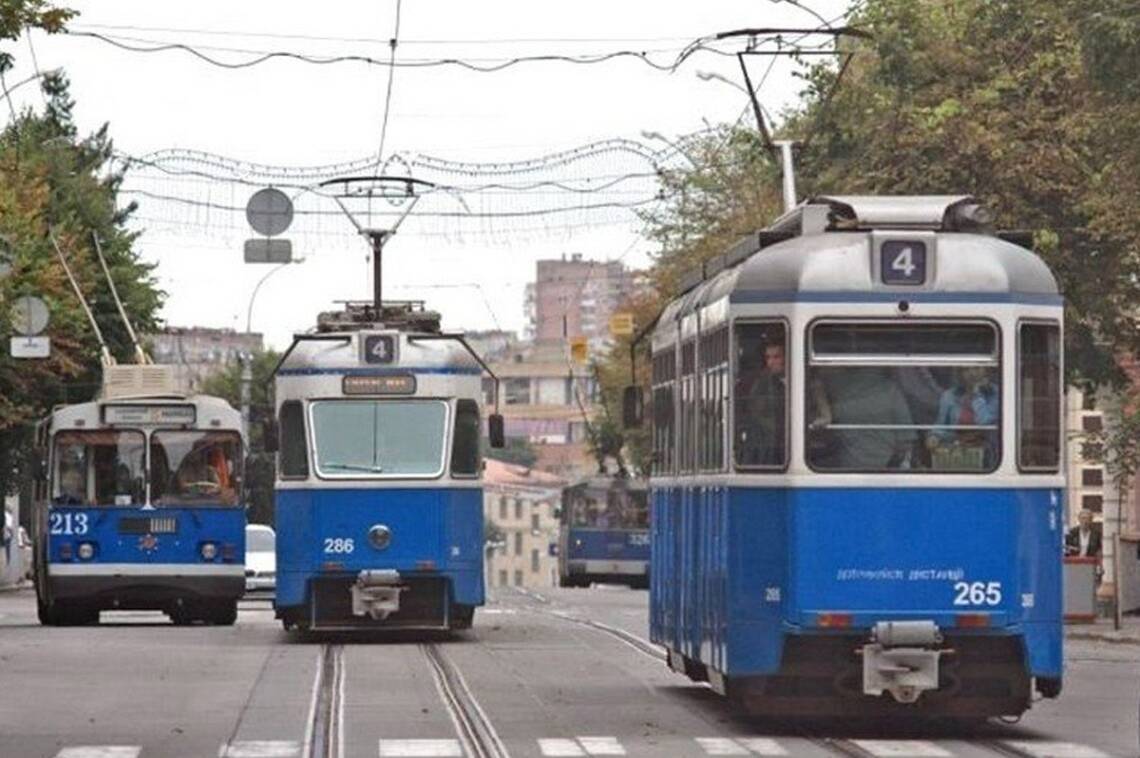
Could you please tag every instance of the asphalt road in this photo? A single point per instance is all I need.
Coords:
(560, 673)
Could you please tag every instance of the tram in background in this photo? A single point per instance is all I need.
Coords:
(140, 505)
(604, 535)
(858, 486)
(379, 504)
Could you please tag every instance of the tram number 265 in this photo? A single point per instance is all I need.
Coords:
(339, 545)
(68, 523)
(977, 593)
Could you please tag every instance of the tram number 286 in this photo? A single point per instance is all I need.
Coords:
(339, 545)
(977, 593)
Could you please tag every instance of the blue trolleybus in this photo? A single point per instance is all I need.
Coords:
(605, 533)
(858, 486)
(141, 505)
(379, 504)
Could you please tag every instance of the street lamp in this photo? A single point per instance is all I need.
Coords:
(261, 281)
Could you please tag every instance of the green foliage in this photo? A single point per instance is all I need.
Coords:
(17, 15)
(52, 180)
(518, 451)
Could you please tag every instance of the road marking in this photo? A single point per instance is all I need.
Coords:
(420, 749)
(1055, 749)
(100, 751)
(601, 745)
(560, 748)
(903, 749)
(740, 746)
(261, 749)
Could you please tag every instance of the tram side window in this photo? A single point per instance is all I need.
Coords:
(687, 445)
(714, 398)
(465, 446)
(760, 390)
(294, 450)
(199, 467)
(664, 372)
(922, 397)
(1039, 397)
(99, 468)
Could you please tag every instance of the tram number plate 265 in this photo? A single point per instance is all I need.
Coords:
(903, 262)
(977, 593)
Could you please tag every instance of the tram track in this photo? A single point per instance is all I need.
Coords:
(476, 733)
(324, 732)
(640, 644)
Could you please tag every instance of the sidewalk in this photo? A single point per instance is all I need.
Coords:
(1102, 630)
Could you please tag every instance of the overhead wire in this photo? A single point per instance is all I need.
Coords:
(388, 97)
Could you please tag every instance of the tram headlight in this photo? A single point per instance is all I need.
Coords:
(380, 536)
(209, 551)
(85, 551)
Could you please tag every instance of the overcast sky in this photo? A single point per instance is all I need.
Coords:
(293, 114)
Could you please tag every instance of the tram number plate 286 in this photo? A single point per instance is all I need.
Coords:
(903, 262)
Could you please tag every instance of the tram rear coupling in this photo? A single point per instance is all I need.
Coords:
(376, 593)
(901, 659)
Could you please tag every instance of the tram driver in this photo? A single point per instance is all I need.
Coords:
(205, 472)
(761, 440)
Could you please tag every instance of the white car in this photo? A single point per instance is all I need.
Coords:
(260, 559)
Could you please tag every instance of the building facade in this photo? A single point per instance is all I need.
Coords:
(573, 297)
(196, 352)
(521, 504)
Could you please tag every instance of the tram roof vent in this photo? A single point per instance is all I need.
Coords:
(830, 213)
(146, 380)
(402, 315)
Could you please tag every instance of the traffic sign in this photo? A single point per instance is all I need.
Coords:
(579, 350)
(269, 211)
(621, 324)
(29, 315)
(268, 251)
(29, 347)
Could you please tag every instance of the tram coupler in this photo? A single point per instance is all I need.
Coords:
(900, 659)
(376, 593)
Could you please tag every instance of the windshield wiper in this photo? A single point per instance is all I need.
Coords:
(354, 467)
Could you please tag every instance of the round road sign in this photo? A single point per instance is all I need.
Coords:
(269, 211)
(29, 315)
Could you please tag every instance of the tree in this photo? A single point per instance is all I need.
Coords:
(54, 184)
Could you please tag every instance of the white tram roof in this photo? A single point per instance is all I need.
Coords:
(822, 251)
(342, 351)
(210, 412)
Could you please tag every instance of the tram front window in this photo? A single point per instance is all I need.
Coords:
(365, 438)
(921, 397)
(199, 468)
(612, 512)
(99, 468)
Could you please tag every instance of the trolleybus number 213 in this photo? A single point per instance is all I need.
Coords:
(68, 523)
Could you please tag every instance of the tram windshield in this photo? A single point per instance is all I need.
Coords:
(195, 467)
(365, 438)
(608, 509)
(888, 397)
(99, 467)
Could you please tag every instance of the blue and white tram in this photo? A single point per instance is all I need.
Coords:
(857, 499)
(379, 503)
(141, 508)
(604, 534)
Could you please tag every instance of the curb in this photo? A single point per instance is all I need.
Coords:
(1113, 637)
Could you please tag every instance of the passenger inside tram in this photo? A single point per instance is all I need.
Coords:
(761, 396)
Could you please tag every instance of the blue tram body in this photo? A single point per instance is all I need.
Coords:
(604, 534)
(856, 501)
(141, 509)
(378, 502)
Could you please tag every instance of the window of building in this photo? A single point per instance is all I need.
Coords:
(516, 391)
(518, 577)
(664, 374)
(518, 509)
(1092, 477)
(502, 508)
(919, 397)
(1094, 503)
(518, 543)
(534, 522)
(294, 456)
(502, 577)
(465, 455)
(534, 559)
(1039, 397)
(760, 393)
(1092, 423)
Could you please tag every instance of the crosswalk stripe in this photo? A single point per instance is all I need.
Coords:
(560, 748)
(261, 749)
(100, 751)
(601, 745)
(763, 746)
(1055, 749)
(903, 749)
(420, 749)
(721, 746)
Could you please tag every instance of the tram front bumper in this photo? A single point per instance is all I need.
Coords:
(131, 585)
(376, 593)
(901, 659)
